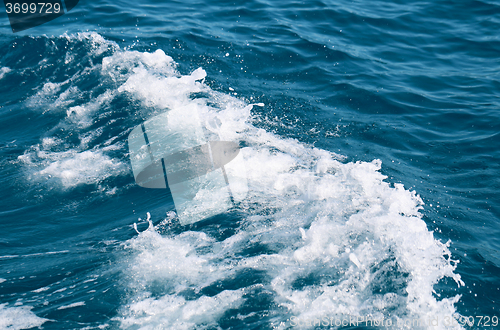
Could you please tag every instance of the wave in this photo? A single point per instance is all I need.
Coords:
(316, 237)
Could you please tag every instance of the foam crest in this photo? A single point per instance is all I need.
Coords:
(153, 78)
(98, 45)
(69, 154)
(73, 305)
(17, 318)
(336, 239)
(3, 71)
(183, 270)
(71, 167)
(174, 312)
(122, 64)
(85, 167)
(84, 115)
(183, 267)
(321, 237)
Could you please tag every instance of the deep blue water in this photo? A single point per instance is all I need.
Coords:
(372, 166)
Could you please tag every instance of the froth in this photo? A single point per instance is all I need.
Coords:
(3, 71)
(174, 312)
(69, 154)
(71, 167)
(336, 238)
(328, 238)
(344, 242)
(152, 78)
(17, 318)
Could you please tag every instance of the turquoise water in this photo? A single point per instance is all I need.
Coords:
(372, 166)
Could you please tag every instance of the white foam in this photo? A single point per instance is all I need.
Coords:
(2, 280)
(16, 318)
(183, 266)
(338, 221)
(72, 167)
(83, 115)
(51, 96)
(97, 43)
(42, 289)
(3, 71)
(73, 305)
(165, 87)
(337, 232)
(101, 326)
(174, 312)
(72, 160)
